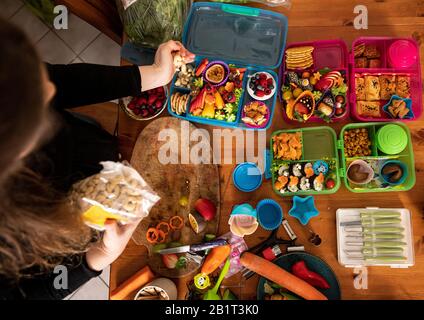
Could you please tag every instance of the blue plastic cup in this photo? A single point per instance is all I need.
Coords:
(270, 214)
(247, 177)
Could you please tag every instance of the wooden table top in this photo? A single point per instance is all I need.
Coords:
(317, 20)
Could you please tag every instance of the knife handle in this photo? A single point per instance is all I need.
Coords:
(389, 244)
(380, 214)
(383, 236)
(379, 221)
(380, 251)
(383, 229)
(208, 245)
(386, 259)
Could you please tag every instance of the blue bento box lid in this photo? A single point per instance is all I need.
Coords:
(236, 34)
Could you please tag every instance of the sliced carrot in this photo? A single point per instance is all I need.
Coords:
(176, 222)
(164, 227)
(280, 276)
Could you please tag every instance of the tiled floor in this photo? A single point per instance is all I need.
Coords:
(80, 43)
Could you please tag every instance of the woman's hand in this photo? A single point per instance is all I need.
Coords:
(161, 72)
(110, 247)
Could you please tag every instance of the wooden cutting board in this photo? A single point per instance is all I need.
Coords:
(171, 182)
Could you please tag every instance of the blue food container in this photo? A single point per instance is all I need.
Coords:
(246, 37)
(247, 177)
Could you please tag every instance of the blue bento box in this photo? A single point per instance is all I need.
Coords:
(246, 39)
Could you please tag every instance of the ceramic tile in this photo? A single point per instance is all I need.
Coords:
(53, 50)
(105, 276)
(95, 289)
(9, 7)
(79, 34)
(31, 24)
(77, 60)
(103, 50)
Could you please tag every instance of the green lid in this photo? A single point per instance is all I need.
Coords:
(392, 139)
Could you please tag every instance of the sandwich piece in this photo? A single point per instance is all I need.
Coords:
(403, 86)
(368, 109)
(387, 86)
(372, 88)
(371, 52)
(360, 88)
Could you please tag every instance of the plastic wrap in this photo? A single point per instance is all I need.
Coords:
(117, 192)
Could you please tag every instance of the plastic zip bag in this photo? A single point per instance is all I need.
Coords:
(149, 23)
(117, 192)
(271, 3)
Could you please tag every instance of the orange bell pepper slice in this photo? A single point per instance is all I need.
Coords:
(164, 227)
(176, 223)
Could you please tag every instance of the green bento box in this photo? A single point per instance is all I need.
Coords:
(330, 162)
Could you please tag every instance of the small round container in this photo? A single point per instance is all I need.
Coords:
(123, 103)
(164, 288)
(263, 125)
(243, 220)
(365, 167)
(404, 172)
(270, 214)
(264, 98)
(247, 177)
(391, 139)
(402, 54)
(227, 73)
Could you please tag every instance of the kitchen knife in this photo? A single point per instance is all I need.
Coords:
(380, 259)
(371, 222)
(377, 244)
(374, 251)
(372, 229)
(195, 247)
(373, 236)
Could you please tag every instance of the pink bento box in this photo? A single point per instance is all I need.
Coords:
(334, 55)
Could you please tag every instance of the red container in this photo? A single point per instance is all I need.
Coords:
(413, 71)
(333, 54)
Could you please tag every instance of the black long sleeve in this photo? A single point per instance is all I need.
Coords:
(42, 287)
(83, 84)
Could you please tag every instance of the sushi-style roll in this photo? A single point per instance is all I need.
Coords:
(281, 183)
(284, 170)
(318, 182)
(296, 170)
(305, 184)
(293, 184)
(308, 170)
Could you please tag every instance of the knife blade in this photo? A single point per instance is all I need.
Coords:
(380, 259)
(195, 247)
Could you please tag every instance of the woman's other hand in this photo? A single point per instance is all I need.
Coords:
(161, 72)
(110, 247)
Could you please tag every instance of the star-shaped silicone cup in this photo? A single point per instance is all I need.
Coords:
(303, 209)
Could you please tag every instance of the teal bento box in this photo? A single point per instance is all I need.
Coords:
(367, 157)
(231, 82)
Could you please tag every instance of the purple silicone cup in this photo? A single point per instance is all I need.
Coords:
(227, 71)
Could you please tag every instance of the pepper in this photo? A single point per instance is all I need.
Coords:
(300, 270)
(161, 237)
(164, 227)
(152, 235)
(176, 222)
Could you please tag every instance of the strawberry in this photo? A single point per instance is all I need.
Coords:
(262, 76)
(202, 66)
(263, 83)
(301, 109)
(160, 91)
(260, 93)
(170, 260)
(144, 113)
(136, 112)
(270, 82)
